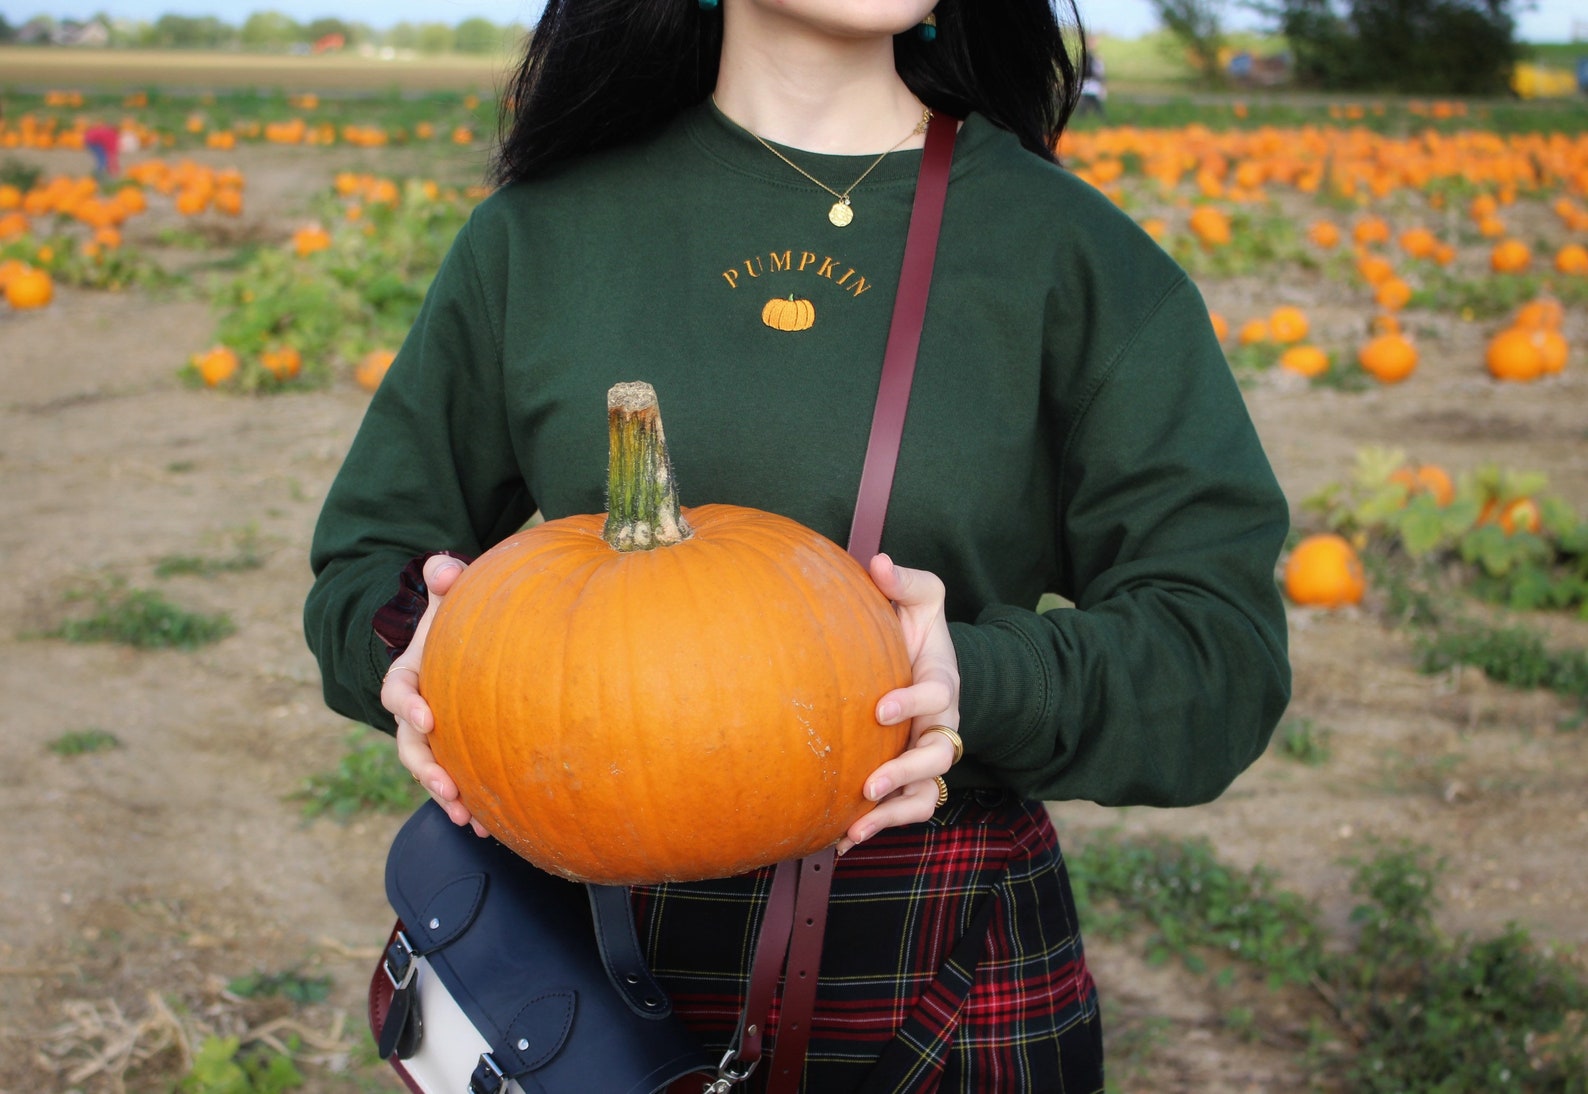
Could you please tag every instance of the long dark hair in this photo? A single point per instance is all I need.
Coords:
(597, 73)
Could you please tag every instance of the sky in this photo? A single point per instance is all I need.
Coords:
(1538, 20)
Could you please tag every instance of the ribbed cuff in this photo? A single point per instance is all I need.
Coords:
(1002, 688)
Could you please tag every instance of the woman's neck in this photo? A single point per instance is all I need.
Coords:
(792, 84)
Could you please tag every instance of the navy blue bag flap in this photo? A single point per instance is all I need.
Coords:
(517, 950)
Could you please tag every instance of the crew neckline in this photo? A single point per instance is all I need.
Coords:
(738, 149)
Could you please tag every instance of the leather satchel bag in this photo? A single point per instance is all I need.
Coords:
(497, 972)
(499, 977)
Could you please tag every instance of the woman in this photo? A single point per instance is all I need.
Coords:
(673, 166)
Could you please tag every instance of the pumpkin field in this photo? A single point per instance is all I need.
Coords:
(1391, 899)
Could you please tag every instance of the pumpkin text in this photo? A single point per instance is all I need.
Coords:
(773, 262)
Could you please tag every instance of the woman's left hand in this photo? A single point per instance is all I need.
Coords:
(905, 789)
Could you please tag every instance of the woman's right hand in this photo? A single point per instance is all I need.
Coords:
(399, 693)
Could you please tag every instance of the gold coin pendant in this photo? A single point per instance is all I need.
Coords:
(840, 214)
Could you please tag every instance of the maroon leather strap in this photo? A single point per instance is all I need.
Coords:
(795, 919)
(799, 976)
(771, 953)
(904, 339)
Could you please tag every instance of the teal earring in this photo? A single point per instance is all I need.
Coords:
(927, 28)
(709, 5)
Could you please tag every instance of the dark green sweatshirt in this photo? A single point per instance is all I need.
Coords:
(1073, 428)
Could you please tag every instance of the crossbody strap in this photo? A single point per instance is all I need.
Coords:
(795, 919)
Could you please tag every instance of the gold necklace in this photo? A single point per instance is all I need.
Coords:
(842, 211)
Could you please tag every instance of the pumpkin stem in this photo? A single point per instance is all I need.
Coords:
(642, 501)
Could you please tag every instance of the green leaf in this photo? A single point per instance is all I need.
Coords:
(1422, 528)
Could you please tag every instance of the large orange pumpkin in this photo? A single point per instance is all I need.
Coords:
(658, 693)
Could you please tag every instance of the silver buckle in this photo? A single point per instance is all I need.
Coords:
(489, 1070)
(411, 966)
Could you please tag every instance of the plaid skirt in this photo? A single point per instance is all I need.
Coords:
(1024, 1018)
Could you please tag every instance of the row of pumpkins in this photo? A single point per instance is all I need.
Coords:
(1532, 345)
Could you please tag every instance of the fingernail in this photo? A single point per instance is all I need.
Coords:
(435, 788)
(888, 713)
(863, 835)
(878, 790)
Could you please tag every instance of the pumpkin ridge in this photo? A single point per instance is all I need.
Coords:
(824, 570)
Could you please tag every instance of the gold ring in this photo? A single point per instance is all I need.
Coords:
(942, 789)
(953, 739)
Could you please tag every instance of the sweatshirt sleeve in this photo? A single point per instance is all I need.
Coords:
(432, 467)
(1166, 678)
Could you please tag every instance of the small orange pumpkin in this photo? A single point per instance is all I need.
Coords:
(1392, 294)
(283, 362)
(215, 365)
(1324, 572)
(660, 693)
(1553, 350)
(1287, 324)
(371, 368)
(1388, 358)
(1426, 478)
(1514, 354)
(1510, 256)
(309, 239)
(1517, 515)
(29, 287)
(1371, 229)
(1211, 226)
(1305, 360)
(1324, 233)
(1542, 313)
(788, 315)
(1252, 332)
(1572, 259)
(1419, 242)
(1521, 515)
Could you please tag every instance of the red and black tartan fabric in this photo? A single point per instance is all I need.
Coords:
(900, 904)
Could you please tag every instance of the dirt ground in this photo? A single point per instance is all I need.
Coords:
(138, 881)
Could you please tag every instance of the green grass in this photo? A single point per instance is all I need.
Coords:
(142, 619)
(247, 555)
(291, 985)
(1517, 657)
(1420, 1011)
(225, 1065)
(369, 778)
(80, 742)
(1304, 741)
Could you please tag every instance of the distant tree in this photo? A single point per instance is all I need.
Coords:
(6, 31)
(1427, 47)
(477, 36)
(434, 38)
(403, 36)
(191, 32)
(1197, 27)
(270, 30)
